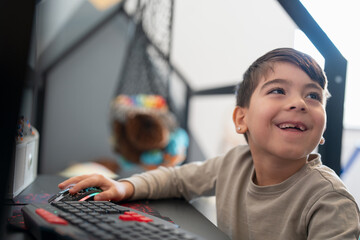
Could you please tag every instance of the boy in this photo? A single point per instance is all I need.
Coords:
(274, 188)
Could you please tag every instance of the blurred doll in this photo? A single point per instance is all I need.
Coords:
(145, 132)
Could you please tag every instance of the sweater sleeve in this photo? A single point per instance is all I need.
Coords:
(189, 181)
(334, 216)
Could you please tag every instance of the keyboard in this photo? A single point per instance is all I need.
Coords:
(98, 220)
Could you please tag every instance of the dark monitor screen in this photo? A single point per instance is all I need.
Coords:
(16, 20)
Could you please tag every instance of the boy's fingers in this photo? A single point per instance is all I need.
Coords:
(92, 181)
(81, 185)
(65, 184)
(70, 181)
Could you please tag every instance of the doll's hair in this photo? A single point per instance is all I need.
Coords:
(265, 63)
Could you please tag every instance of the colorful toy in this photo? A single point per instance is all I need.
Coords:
(24, 129)
(146, 133)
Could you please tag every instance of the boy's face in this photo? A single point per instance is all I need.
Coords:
(286, 116)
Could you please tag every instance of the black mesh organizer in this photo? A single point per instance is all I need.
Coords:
(147, 68)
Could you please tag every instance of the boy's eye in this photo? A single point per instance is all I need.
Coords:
(315, 96)
(277, 91)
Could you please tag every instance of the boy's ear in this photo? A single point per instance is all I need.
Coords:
(239, 119)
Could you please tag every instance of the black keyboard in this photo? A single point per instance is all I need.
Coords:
(98, 220)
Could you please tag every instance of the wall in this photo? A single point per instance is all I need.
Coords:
(53, 15)
(78, 94)
(213, 45)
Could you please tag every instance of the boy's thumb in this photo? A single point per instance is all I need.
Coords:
(101, 197)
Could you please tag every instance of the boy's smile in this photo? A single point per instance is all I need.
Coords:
(286, 117)
(292, 126)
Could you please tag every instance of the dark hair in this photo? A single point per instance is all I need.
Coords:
(264, 64)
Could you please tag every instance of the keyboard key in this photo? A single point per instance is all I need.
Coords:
(50, 217)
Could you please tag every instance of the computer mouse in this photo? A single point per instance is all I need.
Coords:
(86, 194)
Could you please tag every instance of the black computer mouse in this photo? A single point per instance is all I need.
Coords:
(86, 194)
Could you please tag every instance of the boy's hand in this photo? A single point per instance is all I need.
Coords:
(112, 190)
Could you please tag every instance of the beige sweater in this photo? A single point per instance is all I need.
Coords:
(311, 204)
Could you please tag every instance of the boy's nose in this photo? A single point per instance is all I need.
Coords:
(294, 107)
(297, 104)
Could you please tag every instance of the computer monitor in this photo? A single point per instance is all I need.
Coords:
(16, 20)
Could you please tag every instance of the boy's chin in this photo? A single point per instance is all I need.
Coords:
(292, 153)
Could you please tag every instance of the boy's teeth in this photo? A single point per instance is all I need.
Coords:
(286, 125)
(289, 125)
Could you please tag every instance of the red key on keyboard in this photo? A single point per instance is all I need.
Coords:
(50, 217)
(133, 216)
